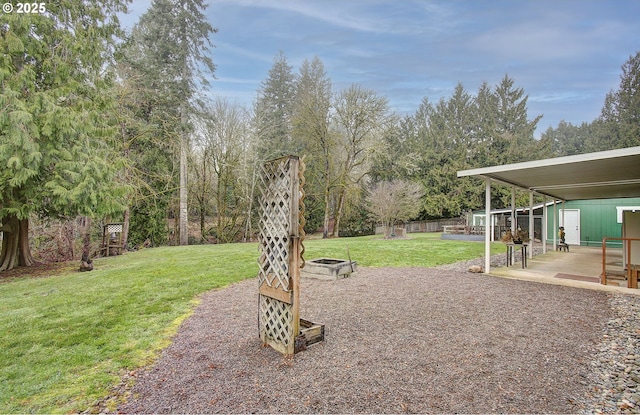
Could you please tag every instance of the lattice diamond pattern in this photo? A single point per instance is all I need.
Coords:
(114, 227)
(276, 320)
(275, 217)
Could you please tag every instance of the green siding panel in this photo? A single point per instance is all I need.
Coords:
(598, 219)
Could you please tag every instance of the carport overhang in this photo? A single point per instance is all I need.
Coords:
(600, 175)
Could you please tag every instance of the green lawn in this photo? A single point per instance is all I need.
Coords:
(68, 338)
(419, 250)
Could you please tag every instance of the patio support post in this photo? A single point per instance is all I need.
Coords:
(487, 240)
(555, 225)
(545, 212)
(531, 227)
(513, 210)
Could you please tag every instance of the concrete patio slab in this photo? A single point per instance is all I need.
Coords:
(584, 263)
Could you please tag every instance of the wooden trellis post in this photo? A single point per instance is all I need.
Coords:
(112, 238)
(281, 234)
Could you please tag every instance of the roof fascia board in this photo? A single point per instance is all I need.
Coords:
(519, 186)
(522, 209)
(578, 158)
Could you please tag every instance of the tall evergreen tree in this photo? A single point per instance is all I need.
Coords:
(466, 131)
(448, 132)
(512, 124)
(310, 121)
(488, 143)
(150, 165)
(565, 140)
(400, 152)
(273, 111)
(170, 50)
(504, 135)
(56, 148)
(619, 123)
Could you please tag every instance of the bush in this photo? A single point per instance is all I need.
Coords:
(357, 223)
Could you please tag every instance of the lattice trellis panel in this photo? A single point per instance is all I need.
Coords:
(114, 227)
(277, 322)
(280, 248)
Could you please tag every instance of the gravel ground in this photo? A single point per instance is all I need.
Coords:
(420, 340)
(615, 374)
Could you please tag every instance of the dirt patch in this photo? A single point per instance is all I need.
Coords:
(396, 340)
(40, 270)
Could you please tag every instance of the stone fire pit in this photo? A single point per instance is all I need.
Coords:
(328, 268)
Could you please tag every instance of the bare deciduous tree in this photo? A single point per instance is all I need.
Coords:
(361, 116)
(224, 140)
(390, 202)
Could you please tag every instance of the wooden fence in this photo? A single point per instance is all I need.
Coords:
(424, 226)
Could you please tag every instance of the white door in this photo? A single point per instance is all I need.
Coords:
(570, 219)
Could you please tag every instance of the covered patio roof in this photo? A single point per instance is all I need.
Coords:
(602, 175)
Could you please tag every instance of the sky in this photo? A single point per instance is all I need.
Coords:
(565, 54)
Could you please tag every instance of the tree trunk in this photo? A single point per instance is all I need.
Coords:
(125, 228)
(247, 231)
(327, 191)
(221, 208)
(86, 238)
(86, 263)
(202, 196)
(327, 206)
(15, 243)
(338, 215)
(184, 229)
(203, 214)
(388, 233)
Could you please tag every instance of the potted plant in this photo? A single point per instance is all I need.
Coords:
(518, 238)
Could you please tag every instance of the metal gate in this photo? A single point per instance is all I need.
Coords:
(280, 237)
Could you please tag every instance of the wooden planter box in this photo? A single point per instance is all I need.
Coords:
(310, 333)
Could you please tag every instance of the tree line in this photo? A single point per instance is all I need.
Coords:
(112, 126)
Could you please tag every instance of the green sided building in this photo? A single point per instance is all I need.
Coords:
(586, 222)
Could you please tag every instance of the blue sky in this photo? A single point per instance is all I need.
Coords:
(565, 54)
